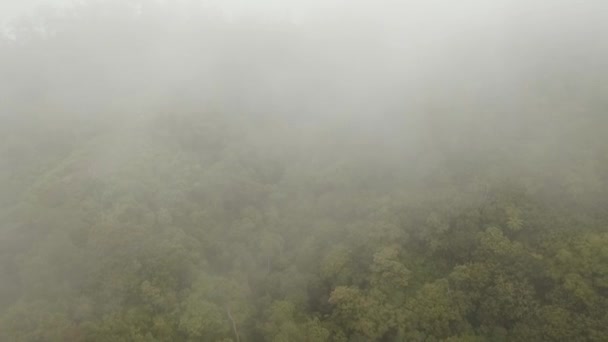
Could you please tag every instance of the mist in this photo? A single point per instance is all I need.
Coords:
(303, 170)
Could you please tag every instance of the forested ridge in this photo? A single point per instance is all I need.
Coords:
(172, 175)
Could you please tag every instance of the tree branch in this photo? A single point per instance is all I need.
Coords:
(236, 331)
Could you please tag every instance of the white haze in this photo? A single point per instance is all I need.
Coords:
(320, 115)
(403, 66)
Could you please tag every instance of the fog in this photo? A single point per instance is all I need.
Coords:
(303, 170)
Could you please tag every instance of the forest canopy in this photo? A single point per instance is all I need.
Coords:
(346, 171)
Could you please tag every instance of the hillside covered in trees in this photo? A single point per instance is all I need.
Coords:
(173, 173)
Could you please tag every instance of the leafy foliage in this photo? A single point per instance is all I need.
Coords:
(173, 215)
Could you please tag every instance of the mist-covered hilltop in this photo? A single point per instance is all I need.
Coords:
(433, 172)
